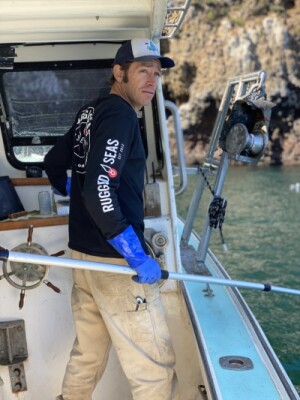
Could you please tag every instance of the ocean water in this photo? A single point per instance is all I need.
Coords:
(262, 234)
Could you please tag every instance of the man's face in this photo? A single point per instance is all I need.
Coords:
(140, 81)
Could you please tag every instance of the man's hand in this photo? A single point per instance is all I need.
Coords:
(129, 246)
(68, 188)
(147, 272)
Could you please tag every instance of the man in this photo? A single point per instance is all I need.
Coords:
(105, 153)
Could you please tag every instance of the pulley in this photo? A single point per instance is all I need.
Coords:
(239, 141)
(245, 132)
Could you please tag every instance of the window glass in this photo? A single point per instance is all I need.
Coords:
(30, 154)
(43, 104)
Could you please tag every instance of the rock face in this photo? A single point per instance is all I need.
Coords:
(222, 39)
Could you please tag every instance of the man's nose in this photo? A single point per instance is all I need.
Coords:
(152, 80)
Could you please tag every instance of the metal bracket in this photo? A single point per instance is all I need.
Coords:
(13, 345)
(208, 291)
(7, 57)
(17, 378)
(236, 363)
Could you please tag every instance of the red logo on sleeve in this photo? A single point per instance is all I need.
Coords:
(112, 173)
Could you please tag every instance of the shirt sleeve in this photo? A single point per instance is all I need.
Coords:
(110, 147)
(57, 161)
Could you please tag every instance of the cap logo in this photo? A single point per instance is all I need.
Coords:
(152, 47)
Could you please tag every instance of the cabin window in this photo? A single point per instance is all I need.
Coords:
(40, 105)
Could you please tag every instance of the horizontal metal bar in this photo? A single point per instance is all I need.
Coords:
(119, 269)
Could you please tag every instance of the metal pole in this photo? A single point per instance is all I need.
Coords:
(7, 255)
(194, 205)
(206, 233)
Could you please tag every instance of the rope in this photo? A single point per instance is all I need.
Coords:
(206, 181)
(216, 211)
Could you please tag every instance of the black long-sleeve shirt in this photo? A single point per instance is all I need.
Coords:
(105, 152)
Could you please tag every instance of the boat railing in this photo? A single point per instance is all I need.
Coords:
(181, 168)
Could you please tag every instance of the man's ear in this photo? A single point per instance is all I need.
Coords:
(118, 73)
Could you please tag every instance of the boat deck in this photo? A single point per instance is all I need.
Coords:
(231, 342)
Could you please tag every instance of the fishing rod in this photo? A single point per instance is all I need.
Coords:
(6, 255)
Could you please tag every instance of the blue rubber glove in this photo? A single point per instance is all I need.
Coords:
(129, 246)
(68, 188)
(68, 185)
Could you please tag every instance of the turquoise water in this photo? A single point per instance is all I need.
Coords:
(262, 233)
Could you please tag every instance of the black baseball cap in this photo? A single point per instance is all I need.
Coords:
(141, 50)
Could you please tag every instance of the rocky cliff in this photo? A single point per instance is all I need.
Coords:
(222, 39)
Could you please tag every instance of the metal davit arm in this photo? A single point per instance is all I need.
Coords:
(174, 18)
(236, 88)
(209, 163)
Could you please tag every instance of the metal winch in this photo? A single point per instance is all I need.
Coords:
(239, 141)
(245, 134)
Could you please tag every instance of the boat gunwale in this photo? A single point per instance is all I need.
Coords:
(250, 322)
